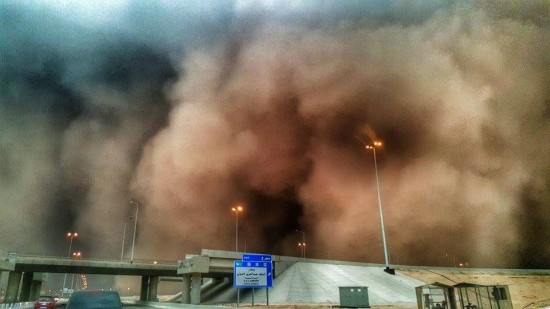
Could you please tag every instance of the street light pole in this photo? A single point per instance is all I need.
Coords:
(71, 236)
(373, 148)
(236, 210)
(303, 243)
(135, 228)
(76, 256)
(454, 259)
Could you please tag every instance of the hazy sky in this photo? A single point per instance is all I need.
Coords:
(193, 107)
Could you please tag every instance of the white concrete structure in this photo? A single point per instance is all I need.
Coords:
(316, 283)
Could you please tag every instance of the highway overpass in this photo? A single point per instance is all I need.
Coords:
(297, 280)
(25, 272)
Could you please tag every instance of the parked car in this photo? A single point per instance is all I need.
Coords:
(94, 300)
(44, 302)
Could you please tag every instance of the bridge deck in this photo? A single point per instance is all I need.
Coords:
(61, 265)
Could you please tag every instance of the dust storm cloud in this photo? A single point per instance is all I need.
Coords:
(193, 108)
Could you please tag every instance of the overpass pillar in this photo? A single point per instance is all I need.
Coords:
(144, 292)
(14, 279)
(196, 281)
(153, 285)
(26, 286)
(186, 290)
(36, 285)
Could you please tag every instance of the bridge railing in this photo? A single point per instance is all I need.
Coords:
(125, 260)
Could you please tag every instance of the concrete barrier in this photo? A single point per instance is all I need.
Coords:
(24, 305)
(177, 305)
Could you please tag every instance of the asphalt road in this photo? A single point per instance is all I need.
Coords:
(124, 306)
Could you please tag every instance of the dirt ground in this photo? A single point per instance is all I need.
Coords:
(526, 291)
(402, 306)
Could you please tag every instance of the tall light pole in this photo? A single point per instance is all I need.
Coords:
(71, 236)
(237, 210)
(303, 243)
(373, 148)
(135, 228)
(454, 259)
(76, 256)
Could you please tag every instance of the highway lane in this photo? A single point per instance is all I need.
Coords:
(163, 305)
(124, 306)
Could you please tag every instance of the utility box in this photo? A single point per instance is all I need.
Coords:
(354, 296)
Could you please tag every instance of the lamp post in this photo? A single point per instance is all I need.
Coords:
(302, 244)
(76, 256)
(373, 148)
(454, 259)
(135, 228)
(71, 236)
(237, 210)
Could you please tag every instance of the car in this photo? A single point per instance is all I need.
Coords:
(94, 300)
(47, 302)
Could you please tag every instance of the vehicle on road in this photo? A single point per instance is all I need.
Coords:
(45, 302)
(94, 300)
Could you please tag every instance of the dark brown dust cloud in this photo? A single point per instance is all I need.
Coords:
(191, 108)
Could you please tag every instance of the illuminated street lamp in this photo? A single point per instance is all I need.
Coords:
(302, 244)
(135, 228)
(373, 147)
(71, 236)
(237, 210)
(76, 256)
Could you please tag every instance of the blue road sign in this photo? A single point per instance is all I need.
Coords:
(257, 257)
(252, 274)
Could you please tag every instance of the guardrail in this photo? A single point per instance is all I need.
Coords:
(24, 305)
(125, 260)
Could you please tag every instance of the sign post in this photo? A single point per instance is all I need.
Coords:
(254, 271)
(252, 275)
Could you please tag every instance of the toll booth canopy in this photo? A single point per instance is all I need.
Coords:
(434, 296)
(463, 296)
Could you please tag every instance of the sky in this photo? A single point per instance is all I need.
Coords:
(193, 107)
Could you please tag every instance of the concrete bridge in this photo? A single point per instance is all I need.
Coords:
(27, 272)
